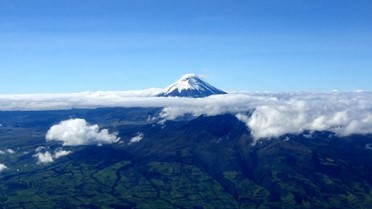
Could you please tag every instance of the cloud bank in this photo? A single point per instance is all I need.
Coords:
(296, 117)
(74, 132)
(267, 115)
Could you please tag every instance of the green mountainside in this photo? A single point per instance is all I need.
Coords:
(196, 163)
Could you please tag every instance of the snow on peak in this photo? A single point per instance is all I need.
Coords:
(190, 85)
(186, 82)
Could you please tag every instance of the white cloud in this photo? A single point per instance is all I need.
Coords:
(136, 138)
(44, 158)
(74, 132)
(41, 148)
(60, 101)
(7, 151)
(3, 167)
(270, 114)
(61, 153)
(342, 114)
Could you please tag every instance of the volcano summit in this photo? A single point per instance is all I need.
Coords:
(190, 85)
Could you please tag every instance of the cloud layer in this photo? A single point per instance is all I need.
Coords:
(267, 115)
(74, 132)
(295, 117)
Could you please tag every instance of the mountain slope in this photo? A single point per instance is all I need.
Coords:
(204, 162)
(190, 85)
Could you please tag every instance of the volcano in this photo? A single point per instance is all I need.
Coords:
(190, 85)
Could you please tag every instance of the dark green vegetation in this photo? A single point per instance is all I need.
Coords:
(204, 162)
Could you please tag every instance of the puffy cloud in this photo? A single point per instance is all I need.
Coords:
(74, 132)
(336, 114)
(44, 157)
(136, 138)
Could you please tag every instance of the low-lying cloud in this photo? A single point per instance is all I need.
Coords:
(60, 153)
(136, 138)
(298, 116)
(74, 132)
(267, 115)
(3, 167)
(44, 156)
(7, 151)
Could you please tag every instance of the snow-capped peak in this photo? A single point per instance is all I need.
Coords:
(190, 85)
(186, 82)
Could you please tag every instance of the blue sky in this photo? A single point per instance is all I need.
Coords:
(262, 45)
